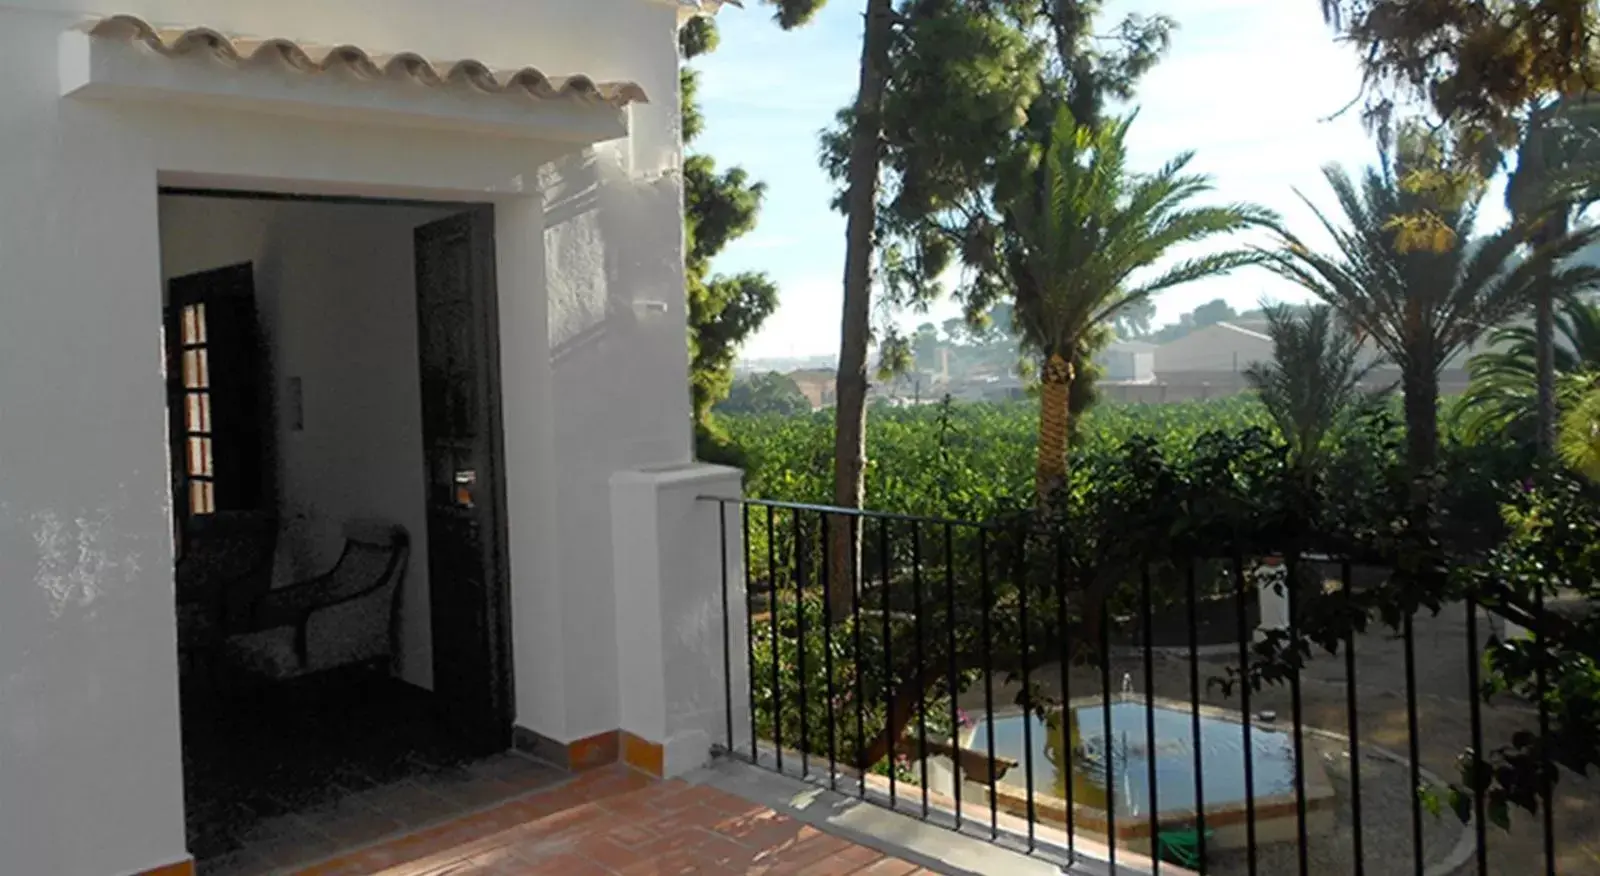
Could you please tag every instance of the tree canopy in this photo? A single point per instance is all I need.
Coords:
(719, 208)
(1478, 63)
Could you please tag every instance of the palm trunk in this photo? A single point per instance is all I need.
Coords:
(850, 424)
(1055, 422)
(1544, 335)
(1421, 385)
(1544, 328)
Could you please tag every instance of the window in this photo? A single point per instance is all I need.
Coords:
(217, 402)
(199, 463)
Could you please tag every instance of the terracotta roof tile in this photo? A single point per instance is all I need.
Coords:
(364, 63)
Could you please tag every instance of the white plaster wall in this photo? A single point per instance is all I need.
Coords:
(90, 776)
(335, 293)
(681, 607)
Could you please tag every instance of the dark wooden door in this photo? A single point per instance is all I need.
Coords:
(467, 579)
(217, 376)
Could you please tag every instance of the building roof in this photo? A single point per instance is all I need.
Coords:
(367, 64)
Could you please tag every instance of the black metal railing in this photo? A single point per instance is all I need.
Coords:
(985, 677)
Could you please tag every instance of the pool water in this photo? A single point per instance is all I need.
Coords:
(1222, 757)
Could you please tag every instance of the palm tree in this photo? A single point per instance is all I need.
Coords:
(1579, 440)
(1315, 381)
(1421, 305)
(1502, 397)
(1073, 239)
(1558, 140)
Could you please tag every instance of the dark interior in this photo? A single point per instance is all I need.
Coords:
(299, 738)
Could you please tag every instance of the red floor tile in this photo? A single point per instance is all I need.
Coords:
(617, 822)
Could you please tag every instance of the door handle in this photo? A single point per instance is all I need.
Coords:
(465, 482)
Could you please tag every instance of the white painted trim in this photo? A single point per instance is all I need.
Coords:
(101, 69)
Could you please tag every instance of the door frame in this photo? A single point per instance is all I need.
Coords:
(486, 291)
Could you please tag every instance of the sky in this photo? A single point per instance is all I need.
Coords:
(1248, 85)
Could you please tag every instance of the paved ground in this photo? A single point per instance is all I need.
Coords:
(615, 821)
(1443, 718)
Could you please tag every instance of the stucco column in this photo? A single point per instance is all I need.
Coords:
(678, 558)
(1274, 603)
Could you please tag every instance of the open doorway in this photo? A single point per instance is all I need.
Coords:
(338, 514)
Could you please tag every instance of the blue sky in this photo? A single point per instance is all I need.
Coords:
(1246, 85)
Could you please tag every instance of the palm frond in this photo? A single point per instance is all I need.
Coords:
(1314, 384)
(1088, 224)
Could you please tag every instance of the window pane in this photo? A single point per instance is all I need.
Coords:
(197, 412)
(200, 323)
(191, 325)
(200, 456)
(196, 369)
(202, 498)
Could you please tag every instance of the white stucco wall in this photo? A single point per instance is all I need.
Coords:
(592, 315)
(335, 295)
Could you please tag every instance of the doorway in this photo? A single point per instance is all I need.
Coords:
(338, 514)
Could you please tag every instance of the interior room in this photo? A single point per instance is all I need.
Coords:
(312, 474)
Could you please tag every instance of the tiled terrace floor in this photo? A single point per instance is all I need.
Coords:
(616, 821)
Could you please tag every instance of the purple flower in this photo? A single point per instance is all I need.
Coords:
(1527, 485)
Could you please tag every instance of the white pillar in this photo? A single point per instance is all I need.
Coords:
(1274, 605)
(678, 555)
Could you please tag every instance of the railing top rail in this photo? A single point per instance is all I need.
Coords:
(854, 512)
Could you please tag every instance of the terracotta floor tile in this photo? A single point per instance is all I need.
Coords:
(616, 821)
(889, 867)
(568, 865)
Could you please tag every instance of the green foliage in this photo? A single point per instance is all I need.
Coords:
(1421, 305)
(811, 672)
(718, 209)
(769, 393)
(1501, 399)
(1476, 64)
(1313, 385)
(1213, 312)
(1080, 223)
(965, 461)
(1579, 441)
(1167, 486)
(1552, 549)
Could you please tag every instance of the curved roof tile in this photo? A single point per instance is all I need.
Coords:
(318, 58)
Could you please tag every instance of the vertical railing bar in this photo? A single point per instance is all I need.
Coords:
(1067, 753)
(1194, 714)
(1354, 716)
(1547, 815)
(1027, 681)
(1148, 620)
(773, 599)
(1413, 742)
(1296, 710)
(750, 635)
(860, 659)
(827, 649)
(727, 622)
(800, 551)
(955, 672)
(1244, 711)
(1474, 654)
(985, 596)
(888, 654)
(922, 659)
(1107, 746)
